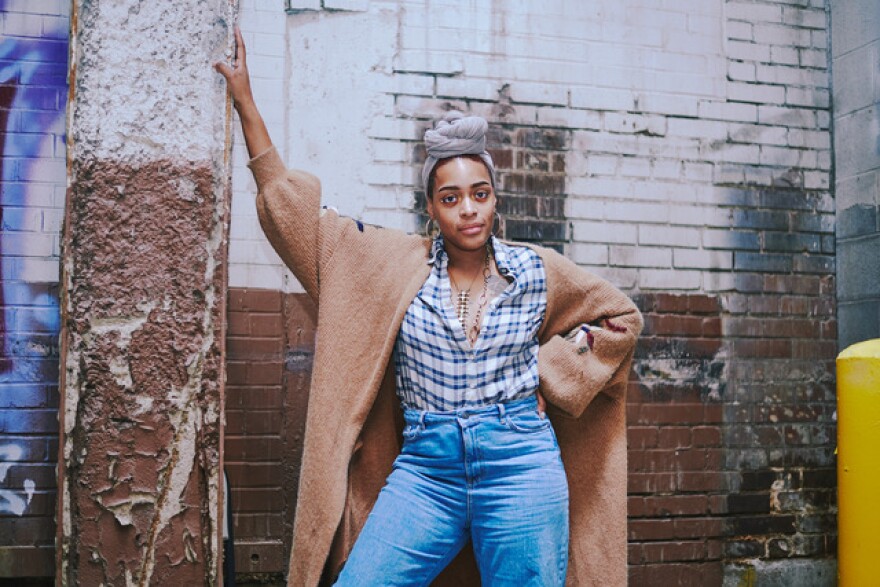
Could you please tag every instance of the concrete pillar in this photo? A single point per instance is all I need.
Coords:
(855, 50)
(143, 294)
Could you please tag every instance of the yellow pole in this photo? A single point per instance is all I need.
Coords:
(858, 464)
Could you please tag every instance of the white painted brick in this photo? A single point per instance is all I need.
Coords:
(813, 58)
(257, 252)
(728, 174)
(823, 119)
(781, 35)
(674, 104)
(603, 232)
(602, 164)
(390, 151)
(477, 89)
(389, 174)
(588, 254)
(569, 118)
(623, 256)
(702, 259)
(589, 209)
(53, 7)
(669, 280)
(418, 107)
(761, 134)
(710, 26)
(808, 159)
(810, 139)
(698, 84)
(635, 124)
(797, 76)
(732, 111)
(747, 51)
(819, 39)
(752, 12)
(668, 235)
(784, 55)
(811, 97)
(677, 62)
(740, 31)
(796, 117)
(388, 128)
(703, 129)
(701, 172)
(636, 212)
(429, 62)
(36, 270)
(666, 169)
(814, 19)
(665, 191)
(816, 180)
(824, 162)
(756, 93)
(52, 220)
(741, 71)
(539, 93)
(601, 98)
(696, 43)
(601, 187)
(412, 84)
(31, 244)
(635, 167)
(305, 4)
(719, 282)
(760, 175)
(352, 5)
(779, 156)
(623, 278)
(748, 154)
(19, 24)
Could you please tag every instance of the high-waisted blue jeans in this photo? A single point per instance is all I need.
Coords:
(492, 475)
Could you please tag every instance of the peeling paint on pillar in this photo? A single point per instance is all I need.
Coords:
(143, 300)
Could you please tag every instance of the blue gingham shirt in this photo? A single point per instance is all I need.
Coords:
(436, 367)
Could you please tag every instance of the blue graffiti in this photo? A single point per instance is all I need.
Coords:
(33, 97)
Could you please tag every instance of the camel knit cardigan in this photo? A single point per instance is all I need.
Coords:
(363, 279)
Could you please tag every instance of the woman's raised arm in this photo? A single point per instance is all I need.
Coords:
(239, 83)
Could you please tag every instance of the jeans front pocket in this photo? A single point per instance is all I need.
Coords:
(527, 422)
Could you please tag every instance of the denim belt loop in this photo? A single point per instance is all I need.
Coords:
(422, 420)
(502, 415)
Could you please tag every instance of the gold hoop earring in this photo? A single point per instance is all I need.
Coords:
(432, 229)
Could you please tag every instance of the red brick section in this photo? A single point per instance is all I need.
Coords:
(270, 340)
(730, 429)
(676, 476)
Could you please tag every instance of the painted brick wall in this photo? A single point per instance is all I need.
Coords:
(680, 149)
(33, 97)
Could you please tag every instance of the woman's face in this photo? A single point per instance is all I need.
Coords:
(463, 202)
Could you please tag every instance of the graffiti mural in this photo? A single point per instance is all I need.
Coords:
(33, 97)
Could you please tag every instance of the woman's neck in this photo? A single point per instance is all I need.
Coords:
(466, 262)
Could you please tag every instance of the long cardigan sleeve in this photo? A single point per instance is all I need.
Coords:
(569, 378)
(289, 209)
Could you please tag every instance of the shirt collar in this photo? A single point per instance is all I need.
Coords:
(502, 254)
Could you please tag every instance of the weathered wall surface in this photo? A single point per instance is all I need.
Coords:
(143, 295)
(856, 54)
(33, 97)
(681, 149)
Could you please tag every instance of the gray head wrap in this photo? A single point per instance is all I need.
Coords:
(456, 135)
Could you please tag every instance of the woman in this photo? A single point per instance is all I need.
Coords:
(468, 335)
